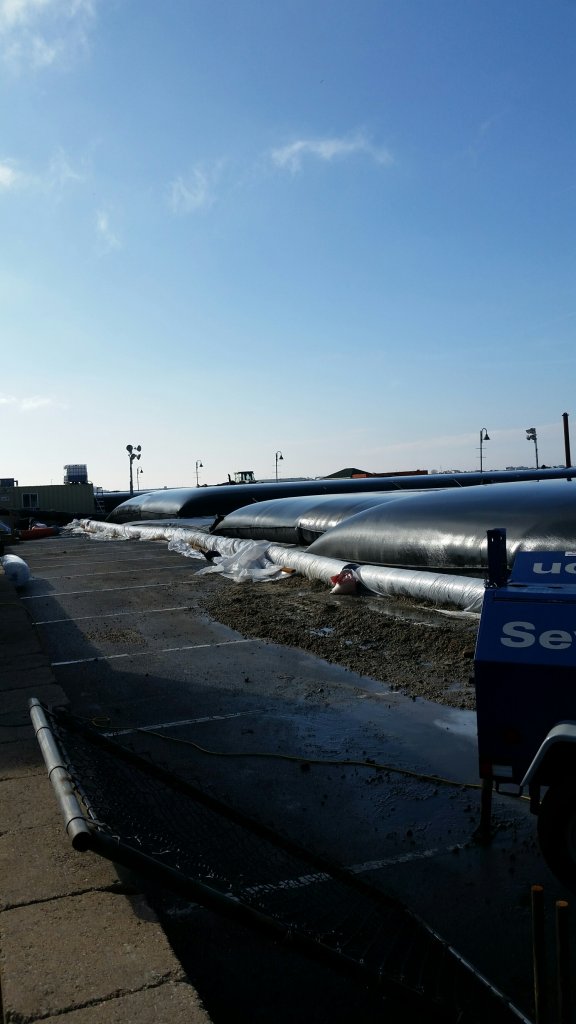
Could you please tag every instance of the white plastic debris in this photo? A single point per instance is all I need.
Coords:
(16, 569)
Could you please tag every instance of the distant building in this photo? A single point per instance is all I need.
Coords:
(53, 503)
(354, 474)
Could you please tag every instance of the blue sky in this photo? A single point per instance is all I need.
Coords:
(343, 231)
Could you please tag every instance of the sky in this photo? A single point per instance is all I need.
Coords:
(342, 231)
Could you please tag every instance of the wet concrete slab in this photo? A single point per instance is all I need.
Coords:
(290, 739)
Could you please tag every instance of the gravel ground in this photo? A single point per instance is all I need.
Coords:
(417, 650)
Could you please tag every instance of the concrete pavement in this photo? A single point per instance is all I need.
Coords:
(74, 940)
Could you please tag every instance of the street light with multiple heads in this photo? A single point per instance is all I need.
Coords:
(133, 453)
(279, 457)
(483, 437)
(199, 465)
(531, 435)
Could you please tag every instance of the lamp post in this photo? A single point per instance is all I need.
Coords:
(198, 466)
(279, 457)
(139, 472)
(483, 437)
(133, 453)
(531, 435)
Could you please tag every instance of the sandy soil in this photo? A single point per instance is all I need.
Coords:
(420, 651)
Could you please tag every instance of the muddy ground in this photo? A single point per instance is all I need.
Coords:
(417, 650)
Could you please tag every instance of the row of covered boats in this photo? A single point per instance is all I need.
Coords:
(427, 522)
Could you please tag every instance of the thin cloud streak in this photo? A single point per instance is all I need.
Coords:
(59, 173)
(292, 156)
(29, 403)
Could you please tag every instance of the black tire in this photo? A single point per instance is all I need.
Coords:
(557, 832)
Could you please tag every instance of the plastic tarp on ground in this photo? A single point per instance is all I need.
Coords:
(300, 519)
(218, 501)
(447, 529)
(244, 560)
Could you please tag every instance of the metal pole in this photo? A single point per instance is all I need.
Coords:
(563, 962)
(566, 440)
(63, 787)
(539, 955)
(131, 457)
(483, 437)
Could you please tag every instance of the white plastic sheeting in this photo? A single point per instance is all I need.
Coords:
(16, 569)
(158, 530)
(259, 560)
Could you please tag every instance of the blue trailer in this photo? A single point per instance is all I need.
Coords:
(525, 679)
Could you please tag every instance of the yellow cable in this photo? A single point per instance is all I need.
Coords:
(348, 763)
(100, 723)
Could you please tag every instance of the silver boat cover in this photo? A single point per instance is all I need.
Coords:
(447, 529)
(300, 520)
(218, 501)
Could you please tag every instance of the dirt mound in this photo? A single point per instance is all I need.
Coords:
(417, 650)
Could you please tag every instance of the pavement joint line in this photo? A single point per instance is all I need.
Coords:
(404, 858)
(106, 1000)
(72, 894)
(185, 721)
(112, 572)
(108, 590)
(152, 654)
(302, 881)
(113, 615)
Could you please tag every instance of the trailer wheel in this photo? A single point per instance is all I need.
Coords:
(557, 832)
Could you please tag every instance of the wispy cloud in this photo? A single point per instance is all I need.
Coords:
(292, 156)
(35, 402)
(106, 234)
(10, 176)
(27, 403)
(195, 192)
(40, 34)
(61, 171)
(58, 173)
